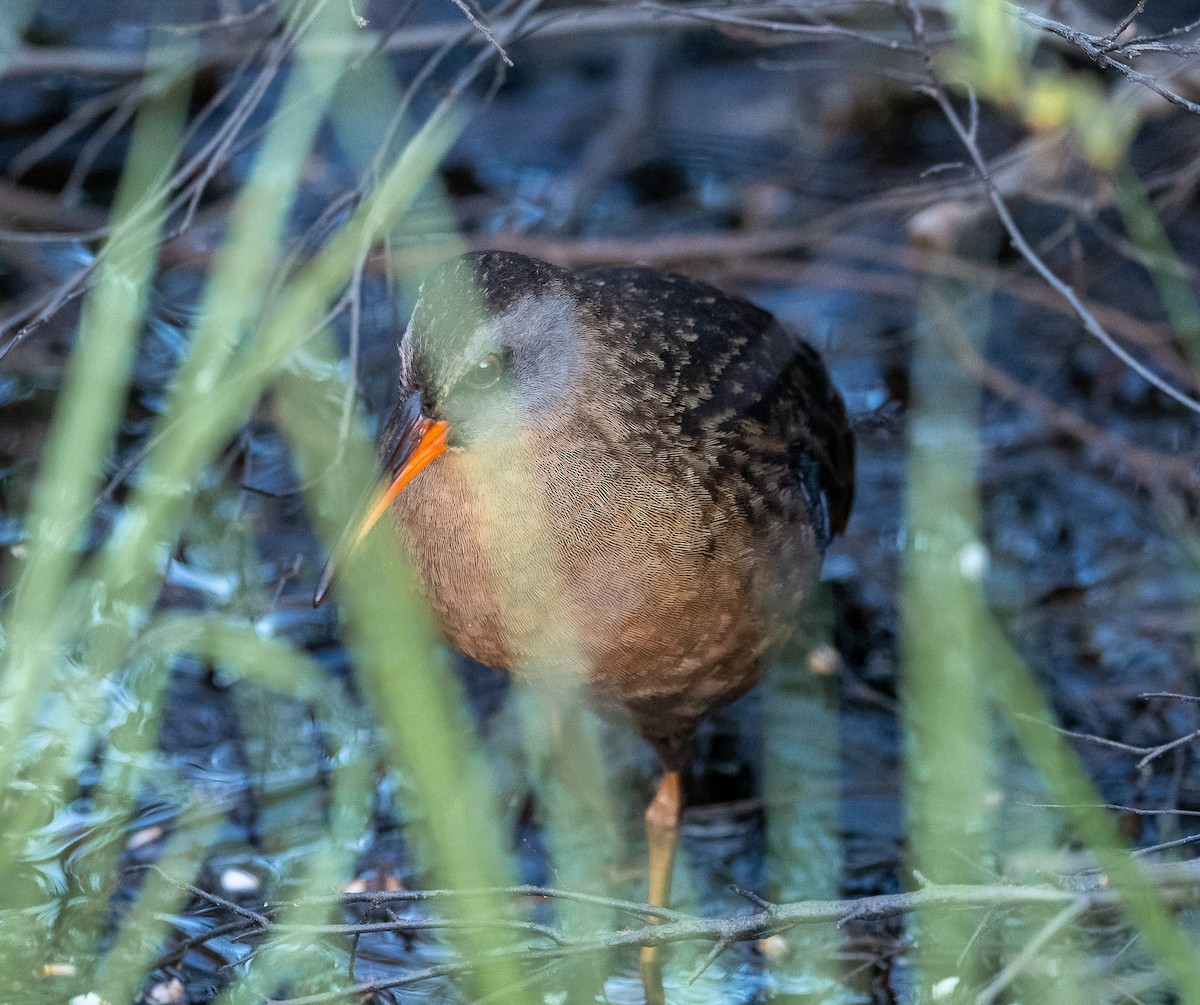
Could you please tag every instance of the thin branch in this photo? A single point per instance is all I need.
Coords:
(1166, 845)
(61, 132)
(1098, 49)
(634, 909)
(788, 29)
(1178, 882)
(1153, 42)
(567, 21)
(118, 119)
(936, 90)
(1117, 808)
(1110, 39)
(1146, 754)
(1155, 752)
(483, 29)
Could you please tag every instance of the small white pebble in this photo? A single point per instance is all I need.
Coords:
(167, 993)
(944, 988)
(239, 881)
(773, 947)
(939, 227)
(824, 661)
(147, 835)
(91, 998)
(59, 970)
(973, 560)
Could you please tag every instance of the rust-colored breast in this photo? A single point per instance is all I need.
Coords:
(636, 578)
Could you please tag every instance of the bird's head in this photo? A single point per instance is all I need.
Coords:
(494, 347)
(494, 343)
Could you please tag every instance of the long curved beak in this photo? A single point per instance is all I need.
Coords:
(413, 441)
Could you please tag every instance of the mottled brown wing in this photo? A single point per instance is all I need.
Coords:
(765, 373)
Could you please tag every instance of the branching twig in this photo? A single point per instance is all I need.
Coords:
(1110, 39)
(1099, 49)
(1146, 754)
(936, 90)
(483, 29)
(566, 21)
(1178, 882)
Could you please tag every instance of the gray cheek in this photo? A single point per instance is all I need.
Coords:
(495, 423)
(543, 334)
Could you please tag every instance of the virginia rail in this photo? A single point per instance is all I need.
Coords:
(686, 460)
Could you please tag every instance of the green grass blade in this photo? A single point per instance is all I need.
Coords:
(144, 927)
(948, 757)
(404, 675)
(81, 435)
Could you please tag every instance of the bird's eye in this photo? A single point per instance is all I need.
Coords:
(486, 372)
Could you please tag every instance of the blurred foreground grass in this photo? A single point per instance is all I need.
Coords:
(76, 623)
(70, 628)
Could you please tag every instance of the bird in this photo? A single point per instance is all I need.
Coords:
(625, 465)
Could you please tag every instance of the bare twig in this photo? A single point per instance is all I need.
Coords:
(935, 90)
(120, 117)
(483, 29)
(1156, 752)
(566, 21)
(1110, 39)
(1166, 845)
(635, 909)
(1178, 882)
(1117, 808)
(1154, 43)
(789, 30)
(191, 180)
(1099, 49)
(61, 132)
(1147, 755)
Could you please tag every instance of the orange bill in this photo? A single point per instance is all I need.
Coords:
(417, 442)
(431, 443)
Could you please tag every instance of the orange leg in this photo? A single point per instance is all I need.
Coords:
(662, 836)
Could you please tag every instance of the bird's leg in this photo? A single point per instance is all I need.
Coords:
(662, 836)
